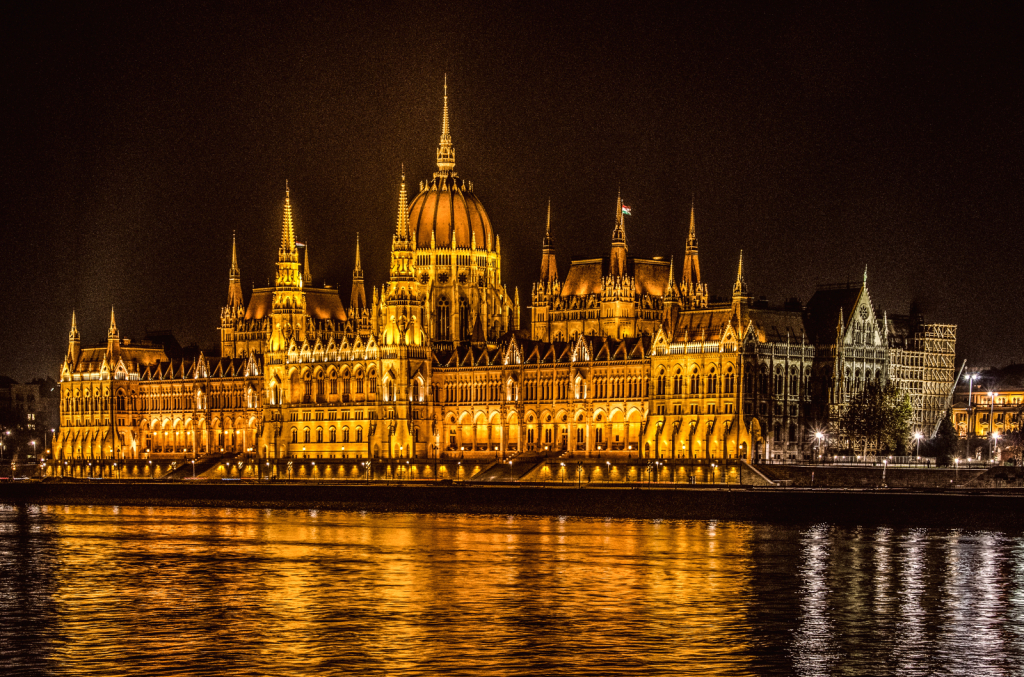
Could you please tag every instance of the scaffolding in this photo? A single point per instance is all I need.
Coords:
(924, 370)
(939, 347)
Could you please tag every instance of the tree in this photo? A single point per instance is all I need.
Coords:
(881, 414)
(895, 412)
(944, 445)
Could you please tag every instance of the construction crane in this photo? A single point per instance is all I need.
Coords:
(949, 400)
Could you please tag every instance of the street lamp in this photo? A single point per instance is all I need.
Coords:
(917, 438)
(820, 436)
(995, 449)
(992, 422)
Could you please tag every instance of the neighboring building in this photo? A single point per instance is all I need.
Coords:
(623, 358)
(996, 411)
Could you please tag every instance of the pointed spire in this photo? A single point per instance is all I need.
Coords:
(358, 271)
(113, 323)
(287, 227)
(740, 287)
(403, 211)
(307, 275)
(691, 240)
(671, 292)
(74, 325)
(358, 301)
(234, 272)
(620, 231)
(445, 151)
(547, 229)
(234, 277)
(865, 274)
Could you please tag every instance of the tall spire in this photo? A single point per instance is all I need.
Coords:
(670, 290)
(307, 274)
(740, 287)
(287, 227)
(865, 274)
(619, 233)
(113, 324)
(691, 239)
(234, 272)
(445, 151)
(358, 301)
(403, 211)
(548, 267)
(234, 277)
(691, 264)
(547, 229)
(617, 263)
(74, 341)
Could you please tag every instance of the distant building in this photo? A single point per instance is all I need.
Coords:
(623, 357)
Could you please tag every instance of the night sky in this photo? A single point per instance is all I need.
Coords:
(818, 139)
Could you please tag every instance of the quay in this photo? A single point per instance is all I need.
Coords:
(979, 509)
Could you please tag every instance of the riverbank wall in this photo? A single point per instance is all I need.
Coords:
(964, 509)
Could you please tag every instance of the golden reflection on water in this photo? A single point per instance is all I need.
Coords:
(112, 591)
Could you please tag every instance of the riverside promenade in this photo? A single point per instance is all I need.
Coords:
(968, 509)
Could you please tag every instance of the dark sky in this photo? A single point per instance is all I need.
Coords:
(817, 138)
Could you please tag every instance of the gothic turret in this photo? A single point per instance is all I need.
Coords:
(74, 342)
(113, 340)
(358, 302)
(617, 267)
(288, 254)
(695, 293)
(234, 278)
(548, 267)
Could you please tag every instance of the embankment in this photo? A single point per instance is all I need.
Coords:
(971, 510)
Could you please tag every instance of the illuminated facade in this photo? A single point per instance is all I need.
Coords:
(622, 358)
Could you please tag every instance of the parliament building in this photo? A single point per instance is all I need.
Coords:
(624, 359)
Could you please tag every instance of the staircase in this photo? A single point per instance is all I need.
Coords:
(203, 464)
(503, 471)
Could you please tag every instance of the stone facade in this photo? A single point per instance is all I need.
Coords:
(622, 359)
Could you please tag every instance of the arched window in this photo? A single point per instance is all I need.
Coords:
(443, 320)
(695, 382)
(305, 435)
(661, 383)
(712, 382)
(320, 385)
(730, 381)
(359, 434)
(794, 382)
(464, 326)
(677, 383)
(372, 378)
(295, 435)
(344, 434)
(332, 434)
(319, 434)
(334, 383)
(415, 390)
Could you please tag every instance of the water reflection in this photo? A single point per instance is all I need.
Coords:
(106, 591)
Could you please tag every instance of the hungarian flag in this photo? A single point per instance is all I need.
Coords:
(628, 211)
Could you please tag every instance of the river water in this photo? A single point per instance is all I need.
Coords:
(205, 591)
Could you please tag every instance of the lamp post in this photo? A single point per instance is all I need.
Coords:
(917, 438)
(991, 423)
(819, 436)
(995, 449)
(970, 410)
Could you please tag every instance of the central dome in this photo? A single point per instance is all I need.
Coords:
(446, 209)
